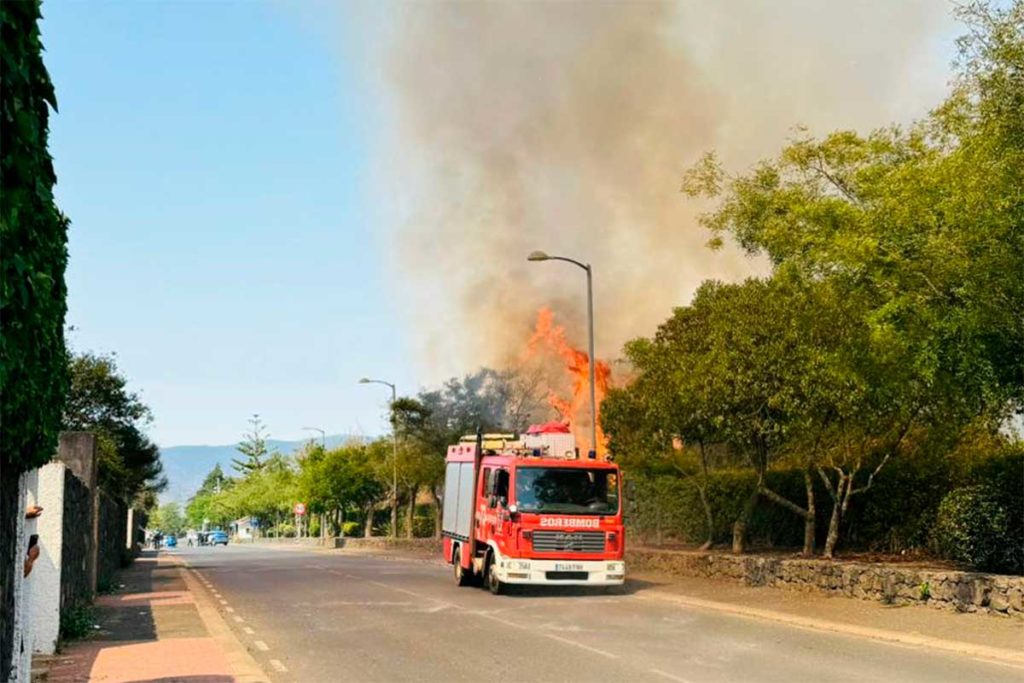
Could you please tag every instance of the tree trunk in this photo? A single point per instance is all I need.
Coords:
(394, 513)
(368, 529)
(410, 514)
(657, 526)
(838, 505)
(739, 527)
(438, 502)
(810, 521)
(708, 517)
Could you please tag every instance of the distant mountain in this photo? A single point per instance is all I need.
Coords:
(186, 466)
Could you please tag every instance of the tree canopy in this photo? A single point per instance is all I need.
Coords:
(892, 315)
(99, 401)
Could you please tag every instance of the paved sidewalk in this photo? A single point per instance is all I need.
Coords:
(159, 627)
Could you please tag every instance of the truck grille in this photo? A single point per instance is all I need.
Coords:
(568, 541)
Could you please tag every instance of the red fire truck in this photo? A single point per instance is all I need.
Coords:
(529, 511)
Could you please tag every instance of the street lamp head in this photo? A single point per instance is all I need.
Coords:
(364, 380)
(537, 256)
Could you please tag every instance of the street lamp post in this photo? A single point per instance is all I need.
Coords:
(323, 435)
(394, 446)
(541, 256)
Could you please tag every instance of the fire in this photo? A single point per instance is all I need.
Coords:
(575, 409)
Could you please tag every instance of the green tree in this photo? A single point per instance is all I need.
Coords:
(910, 244)
(99, 401)
(340, 481)
(253, 447)
(926, 224)
(168, 518)
(215, 481)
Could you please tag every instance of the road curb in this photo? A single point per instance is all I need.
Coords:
(991, 654)
(246, 669)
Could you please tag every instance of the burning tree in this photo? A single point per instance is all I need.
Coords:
(573, 410)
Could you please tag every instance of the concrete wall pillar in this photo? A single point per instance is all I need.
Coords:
(77, 450)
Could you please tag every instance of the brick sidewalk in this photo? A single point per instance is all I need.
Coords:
(150, 630)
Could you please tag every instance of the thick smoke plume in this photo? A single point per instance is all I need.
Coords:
(567, 127)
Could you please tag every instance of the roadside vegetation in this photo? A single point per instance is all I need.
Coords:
(348, 489)
(868, 392)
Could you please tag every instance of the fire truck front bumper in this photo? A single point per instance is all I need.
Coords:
(562, 572)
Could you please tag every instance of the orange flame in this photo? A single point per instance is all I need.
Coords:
(574, 410)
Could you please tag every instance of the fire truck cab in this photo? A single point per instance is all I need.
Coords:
(530, 511)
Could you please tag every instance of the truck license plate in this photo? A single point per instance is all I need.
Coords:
(568, 567)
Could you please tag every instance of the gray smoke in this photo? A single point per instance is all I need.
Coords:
(567, 127)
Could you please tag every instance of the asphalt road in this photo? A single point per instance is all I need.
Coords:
(314, 617)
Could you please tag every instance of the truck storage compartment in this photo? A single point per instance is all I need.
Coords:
(458, 499)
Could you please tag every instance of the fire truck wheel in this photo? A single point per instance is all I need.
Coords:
(462, 577)
(493, 583)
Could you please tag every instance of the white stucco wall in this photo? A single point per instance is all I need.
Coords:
(22, 660)
(44, 581)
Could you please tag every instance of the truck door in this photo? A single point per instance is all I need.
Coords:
(483, 524)
(497, 507)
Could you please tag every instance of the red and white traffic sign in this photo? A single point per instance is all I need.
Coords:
(300, 508)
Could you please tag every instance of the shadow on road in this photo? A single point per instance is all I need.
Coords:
(631, 587)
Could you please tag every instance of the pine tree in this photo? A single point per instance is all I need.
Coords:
(253, 447)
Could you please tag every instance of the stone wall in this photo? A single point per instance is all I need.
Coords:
(112, 535)
(75, 584)
(382, 543)
(888, 583)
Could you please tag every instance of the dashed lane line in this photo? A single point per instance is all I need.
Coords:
(443, 604)
(260, 645)
(669, 676)
(249, 631)
(238, 619)
(278, 666)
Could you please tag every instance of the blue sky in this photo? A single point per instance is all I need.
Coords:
(213, 161)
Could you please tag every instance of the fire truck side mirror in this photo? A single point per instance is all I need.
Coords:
(503, 501)
(492, 501)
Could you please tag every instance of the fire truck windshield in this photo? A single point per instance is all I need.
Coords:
(567, 490)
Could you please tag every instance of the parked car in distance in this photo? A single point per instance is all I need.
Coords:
(171, 541)
(218, 537)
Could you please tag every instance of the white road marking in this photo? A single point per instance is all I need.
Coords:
(669, 676)
(560, 639)
(222, 601)
(238, 619)
(249, 631)
(441, 604)
(260, 645)
(229, 609)
(278, 666)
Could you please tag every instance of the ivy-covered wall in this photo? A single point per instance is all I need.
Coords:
(33, 257)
